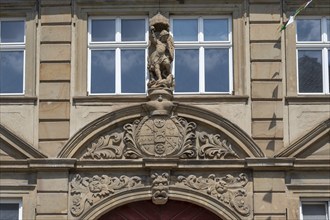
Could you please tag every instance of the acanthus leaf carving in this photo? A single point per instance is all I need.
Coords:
(212, 147)
(106, 147)
(228, 189)
(85, 190)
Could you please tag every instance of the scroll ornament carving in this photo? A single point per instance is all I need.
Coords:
(87, 191)
(160, 136)
(159, 187)
(228, 189)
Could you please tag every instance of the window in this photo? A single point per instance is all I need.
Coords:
(313, 46)
(203, 54)
(312, 210)
(10, 209)
(117, 51)
(12, 56)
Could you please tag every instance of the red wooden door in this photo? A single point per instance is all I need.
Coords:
(172, 210)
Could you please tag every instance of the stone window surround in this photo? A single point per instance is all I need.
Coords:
(30, 70)
(317, 201)
(292, 94)
(14, 200)
(239, 31)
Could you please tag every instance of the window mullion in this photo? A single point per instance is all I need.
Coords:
(325, 67)
(201, 70)
(118, 71)
(118, 30)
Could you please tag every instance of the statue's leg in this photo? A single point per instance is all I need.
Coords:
(158, 72)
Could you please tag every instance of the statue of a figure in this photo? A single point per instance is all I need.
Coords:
(161, 55)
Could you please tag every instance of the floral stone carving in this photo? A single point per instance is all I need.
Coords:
(160, 136)
(159, 188)
(87, 191)
(228, 189)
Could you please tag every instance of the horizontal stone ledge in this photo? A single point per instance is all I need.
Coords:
(18, 100)
(309, 187)
(52, 163)
(28, 187)
(270, 162)
(307, 100)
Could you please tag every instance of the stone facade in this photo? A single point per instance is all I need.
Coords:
(255, 154)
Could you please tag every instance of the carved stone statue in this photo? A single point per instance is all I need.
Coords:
(161, 53)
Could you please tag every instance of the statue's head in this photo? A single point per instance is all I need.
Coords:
(163, 35)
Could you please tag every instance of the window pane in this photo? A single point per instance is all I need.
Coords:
(216, 70)
(314, 212)
(133, 30)
(11, 71)
(103, 71)
(133, 71)
(9, 211)
(310, 71)
(12, 31)
(328, 29)
(185, 29)
(186, 71)
(309, 30)
(215, 29)
(103, 30)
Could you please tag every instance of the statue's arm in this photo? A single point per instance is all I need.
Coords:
(152, 36)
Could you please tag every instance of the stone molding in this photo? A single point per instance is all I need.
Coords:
(229, 192)
(303, 143)
(19, 148)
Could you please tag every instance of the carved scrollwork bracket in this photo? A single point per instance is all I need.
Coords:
(229, 189)
(86, 191)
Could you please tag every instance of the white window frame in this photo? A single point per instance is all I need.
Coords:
(15, 46)
(202, 45)
(14, 201)
(323, 46)
(116, 45)
(315, 201)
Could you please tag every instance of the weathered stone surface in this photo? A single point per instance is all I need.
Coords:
(51, 217)
(269, 181)
(268, 90)
(265, 12)
(268, 217)
(51, 148)
(270, 147)
(60, 90)
(54, 129)
(52, 203)
(59, 14)
(55, 2)
(53, 181)
(55, 52)
(264, 32)
(11, 178)
(267, 129)
(55, 71)
(56, 33)
(270, 203)
(266, 51)
(54, 110)
(309, 177)
(266, 70)
(267, 109)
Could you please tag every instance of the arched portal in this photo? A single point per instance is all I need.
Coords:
(173, 210)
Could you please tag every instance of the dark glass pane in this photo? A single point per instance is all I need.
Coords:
(328, 29)
(133, 30)
(216, 29)
(11, 71)
(309, 30)
(185, 29)
(314, 211)
(310, 71)
(9, 211)
(103, 30)
(216, 70)
(12, 31)
(103, 71)
(186, 70)
(133, 71)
